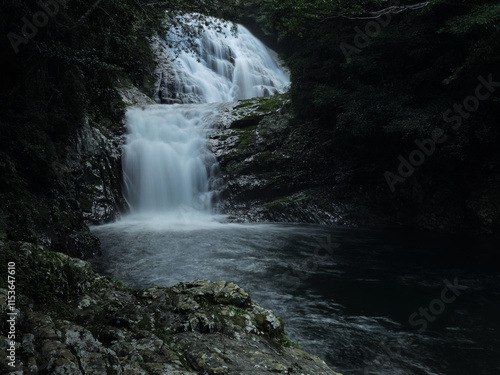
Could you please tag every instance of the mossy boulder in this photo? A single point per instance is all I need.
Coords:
(72, 320)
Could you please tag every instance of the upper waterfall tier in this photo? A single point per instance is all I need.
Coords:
(228, 68)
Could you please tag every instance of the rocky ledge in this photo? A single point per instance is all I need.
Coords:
(273, 171)
(71, 320)
(277, 168)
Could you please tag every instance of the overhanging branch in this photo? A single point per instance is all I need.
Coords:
(395, 9)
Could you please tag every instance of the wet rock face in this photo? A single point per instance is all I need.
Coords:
(198, 327)
(275, 168)
(95, 163)
(88, 191)
(270, 171)
(89, 183)
(165, 85)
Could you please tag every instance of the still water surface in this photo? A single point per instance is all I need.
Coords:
(345, 294)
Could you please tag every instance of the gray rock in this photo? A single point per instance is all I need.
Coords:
(198, 327)
(261, 175)
(96, 164)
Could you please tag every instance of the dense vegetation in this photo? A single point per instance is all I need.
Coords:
(379, 76)
(371, 76)
(60, 67)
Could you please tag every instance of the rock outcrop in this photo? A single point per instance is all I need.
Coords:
(166, 87)
(73, 321)
(95, 162)
(276, 168)
(270, 171)
(89, 181)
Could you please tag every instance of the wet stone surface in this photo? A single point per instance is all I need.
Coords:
(97, 325)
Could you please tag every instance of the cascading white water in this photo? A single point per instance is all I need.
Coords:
(228, 68)
(166, 163)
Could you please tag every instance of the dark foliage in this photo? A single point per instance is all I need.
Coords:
(59, 67)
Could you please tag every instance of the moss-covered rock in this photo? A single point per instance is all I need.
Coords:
(276, 168)
(71, 320)
(270, 168)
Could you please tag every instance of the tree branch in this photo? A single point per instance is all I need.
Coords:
(383, 12)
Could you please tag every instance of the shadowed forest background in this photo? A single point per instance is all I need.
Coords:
(360, 109)
(391, 122)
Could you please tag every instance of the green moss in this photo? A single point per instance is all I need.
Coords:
(265, 103)
(47, 278)
(243, 140)
(184, 361)
(239, 316)
(284, 341)
(234, 167)
(245, 103)
(3, 225)
(260, 321)
(224, 137)
(277, 335)
(250, 112)
(269, 103)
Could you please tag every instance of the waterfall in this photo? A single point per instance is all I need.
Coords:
(167, 166)
(227, 68)
(166, 162)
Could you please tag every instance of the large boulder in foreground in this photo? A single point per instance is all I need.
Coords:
(71, 320)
